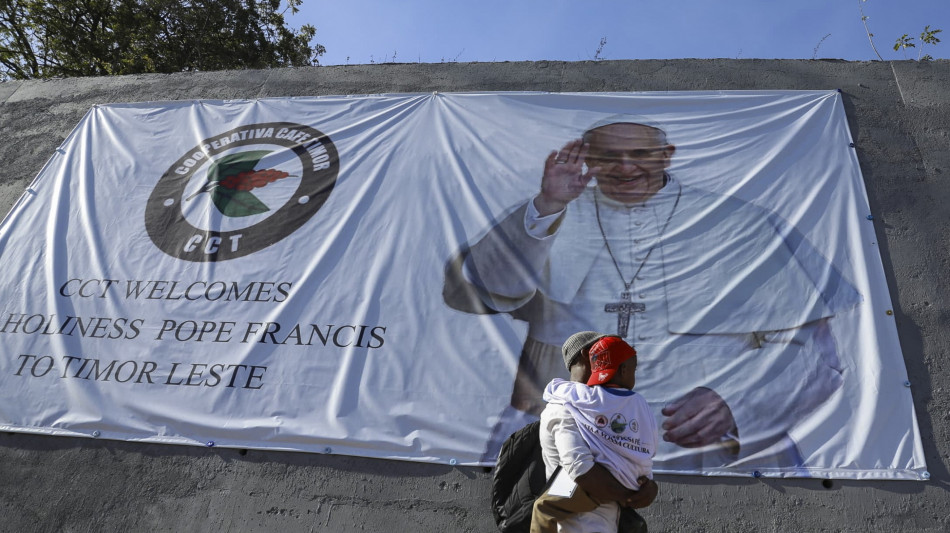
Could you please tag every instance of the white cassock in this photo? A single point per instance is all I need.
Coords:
(712, 292)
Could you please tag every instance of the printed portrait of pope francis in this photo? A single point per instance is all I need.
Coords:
(729, 307)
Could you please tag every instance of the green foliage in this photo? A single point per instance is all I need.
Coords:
(44, 39)
(930, 36)
(927, 36)
(903, 42)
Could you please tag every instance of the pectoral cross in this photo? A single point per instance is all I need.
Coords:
(624, 308)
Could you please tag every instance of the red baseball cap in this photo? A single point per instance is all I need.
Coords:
(606, 356)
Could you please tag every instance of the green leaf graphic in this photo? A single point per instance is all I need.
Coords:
(237, 203)
(234, 203)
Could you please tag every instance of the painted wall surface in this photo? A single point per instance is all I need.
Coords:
(899, 114)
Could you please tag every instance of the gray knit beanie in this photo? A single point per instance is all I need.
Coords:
(577, 342)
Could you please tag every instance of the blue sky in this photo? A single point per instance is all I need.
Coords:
(429, 31)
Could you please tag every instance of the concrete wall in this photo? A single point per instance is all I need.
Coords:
(900, 118)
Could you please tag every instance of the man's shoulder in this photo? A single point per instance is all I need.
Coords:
(639, 402)
(617, 400)
(558, 388)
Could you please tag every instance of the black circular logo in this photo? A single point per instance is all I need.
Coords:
(241, 191)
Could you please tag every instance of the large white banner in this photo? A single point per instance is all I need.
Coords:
(393, 276)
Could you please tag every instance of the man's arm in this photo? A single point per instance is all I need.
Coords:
(503, 269)
(500, 272)
(601, 485)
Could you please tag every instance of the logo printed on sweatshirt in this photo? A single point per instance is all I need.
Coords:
(618, 423)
